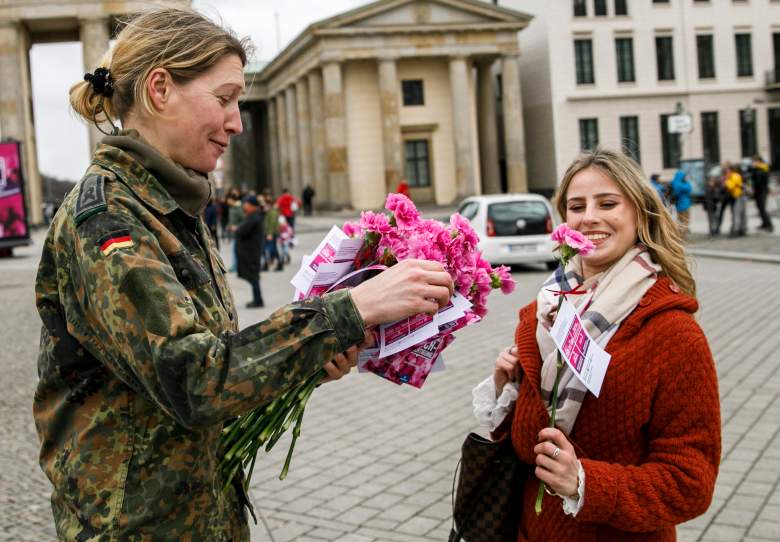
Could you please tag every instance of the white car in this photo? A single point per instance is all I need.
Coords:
(512, 228)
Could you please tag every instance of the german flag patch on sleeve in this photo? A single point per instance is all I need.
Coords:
(115, 240)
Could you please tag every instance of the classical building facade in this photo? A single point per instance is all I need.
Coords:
(394, 89)
(612, 71)
(25, 22)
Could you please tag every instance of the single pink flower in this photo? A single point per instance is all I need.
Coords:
(375, 222)
(352, 229)
(406, 214)
(505, 280)
(564, 235)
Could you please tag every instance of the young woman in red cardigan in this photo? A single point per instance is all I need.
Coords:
(642, 457)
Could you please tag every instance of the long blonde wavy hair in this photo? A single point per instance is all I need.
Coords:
(656, 228)
(180, 40)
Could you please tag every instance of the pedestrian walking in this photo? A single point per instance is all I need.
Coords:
(660, 188)
(288, 206)
(733, 190)
(713, 196)
(141, 360)
(643, 456)
(681, 194)
(271, 228)
(249, 248)
(308, 198)
(759, 176)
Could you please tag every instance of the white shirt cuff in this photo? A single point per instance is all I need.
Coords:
(572, 505)
(488, 410)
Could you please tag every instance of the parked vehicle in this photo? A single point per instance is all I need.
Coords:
(513, 228)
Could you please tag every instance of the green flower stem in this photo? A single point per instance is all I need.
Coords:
(553, 410)
(264, 426)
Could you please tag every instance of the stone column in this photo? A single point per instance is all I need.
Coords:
(514, 138)
(336, 135)
(488, 131)
(319, 160)
(15, 110)
(391, 124)
(304, 132)
(284, 156)
(293, 150)
(273, 140)
(461, 124)
(94, 40)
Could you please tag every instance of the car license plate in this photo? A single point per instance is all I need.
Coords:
(523, 248)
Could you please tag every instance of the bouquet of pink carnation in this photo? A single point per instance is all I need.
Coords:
(413, 345)
(404, 234)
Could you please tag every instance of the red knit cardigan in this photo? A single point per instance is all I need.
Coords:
(649, 444)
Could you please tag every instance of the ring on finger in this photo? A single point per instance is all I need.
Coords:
(556, 452)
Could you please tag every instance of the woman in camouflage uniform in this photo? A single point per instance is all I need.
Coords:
(141, 359)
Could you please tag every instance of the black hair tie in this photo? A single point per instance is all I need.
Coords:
(101, 81)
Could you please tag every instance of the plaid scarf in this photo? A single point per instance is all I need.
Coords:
(610, 296)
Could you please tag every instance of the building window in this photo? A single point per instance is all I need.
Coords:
(624, 49)
(744, 55)
(664, 56)
(621, 7)
(629, 137)
(600, 7)
(706, 55)
(413, 92)
(583, 58)
(580, 8)
(670, 145)
(418, 167)
(776, 49)
(710, 139)
(747, 131)
(589, 134)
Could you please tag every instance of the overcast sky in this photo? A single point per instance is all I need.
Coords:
(63, 149)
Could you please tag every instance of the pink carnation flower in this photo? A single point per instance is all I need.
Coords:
(564, 235)
(375, 222)
(406, 214)
(352, 229)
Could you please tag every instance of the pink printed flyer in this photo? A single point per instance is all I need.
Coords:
(586, 359)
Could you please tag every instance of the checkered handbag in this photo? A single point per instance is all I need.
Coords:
(486, 506)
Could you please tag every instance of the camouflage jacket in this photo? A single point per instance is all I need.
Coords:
(141, 361)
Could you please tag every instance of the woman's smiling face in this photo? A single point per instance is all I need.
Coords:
(596, 207)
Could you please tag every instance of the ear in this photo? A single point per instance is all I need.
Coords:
(159, 86)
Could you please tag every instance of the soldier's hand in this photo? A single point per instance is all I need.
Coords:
(409, 287)
(341, 365)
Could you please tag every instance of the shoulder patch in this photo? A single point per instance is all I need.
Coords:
(92, 198)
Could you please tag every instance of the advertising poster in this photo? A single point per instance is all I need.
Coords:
(13, 215)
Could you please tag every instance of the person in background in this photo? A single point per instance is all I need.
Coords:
(733, 189)
(759, 176)
(249, 247)
(285, 239)
(643, 456)
(288, 206)
(713, 195)
(403, 188)
(660, 187)
(271, 227)
(235, 217)
(681, 193)
(308, 197)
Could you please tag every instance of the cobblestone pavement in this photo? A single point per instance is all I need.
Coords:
(375, 461)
